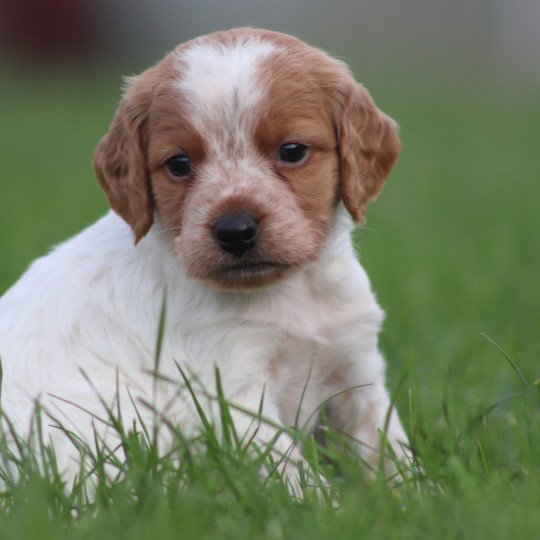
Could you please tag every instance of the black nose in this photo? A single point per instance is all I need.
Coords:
(236, 233)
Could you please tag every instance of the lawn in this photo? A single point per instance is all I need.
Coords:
(453, 250)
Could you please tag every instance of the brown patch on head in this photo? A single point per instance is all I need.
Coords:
(306, 83)
(300, 109)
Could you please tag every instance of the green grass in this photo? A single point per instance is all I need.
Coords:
(452, 248)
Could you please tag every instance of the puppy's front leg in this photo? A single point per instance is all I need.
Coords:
(256, 420)
(361, 408)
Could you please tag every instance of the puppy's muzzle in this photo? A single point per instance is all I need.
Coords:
(236, 233)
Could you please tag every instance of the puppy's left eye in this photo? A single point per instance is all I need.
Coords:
(292, 152)
(179, 166)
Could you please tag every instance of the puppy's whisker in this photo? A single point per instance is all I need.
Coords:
(168, 229)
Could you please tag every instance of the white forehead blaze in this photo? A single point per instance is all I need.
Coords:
(222, 87)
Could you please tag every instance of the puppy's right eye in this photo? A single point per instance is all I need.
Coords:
(179, 166)
(293, 153)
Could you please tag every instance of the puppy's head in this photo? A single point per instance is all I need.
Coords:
(244, 142)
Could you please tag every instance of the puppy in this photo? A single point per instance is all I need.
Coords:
(235, 168)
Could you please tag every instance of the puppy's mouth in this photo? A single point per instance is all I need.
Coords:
(250, 268)
(248, 275)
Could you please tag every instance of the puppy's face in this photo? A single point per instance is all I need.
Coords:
(244, 142)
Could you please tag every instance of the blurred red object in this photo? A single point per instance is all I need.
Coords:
(48, 29)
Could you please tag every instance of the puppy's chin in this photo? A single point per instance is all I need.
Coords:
(247, 276)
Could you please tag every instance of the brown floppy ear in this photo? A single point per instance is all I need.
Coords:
(120, 159)
(369, 146)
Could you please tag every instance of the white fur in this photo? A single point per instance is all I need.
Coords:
(93, 304)
(83, 320)
(222, 90)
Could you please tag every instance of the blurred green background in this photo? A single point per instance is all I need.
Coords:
(452, 245)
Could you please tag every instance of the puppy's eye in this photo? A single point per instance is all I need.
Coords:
(179, 166)
(292, 152)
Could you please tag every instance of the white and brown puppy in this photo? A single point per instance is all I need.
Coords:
(233, 168)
